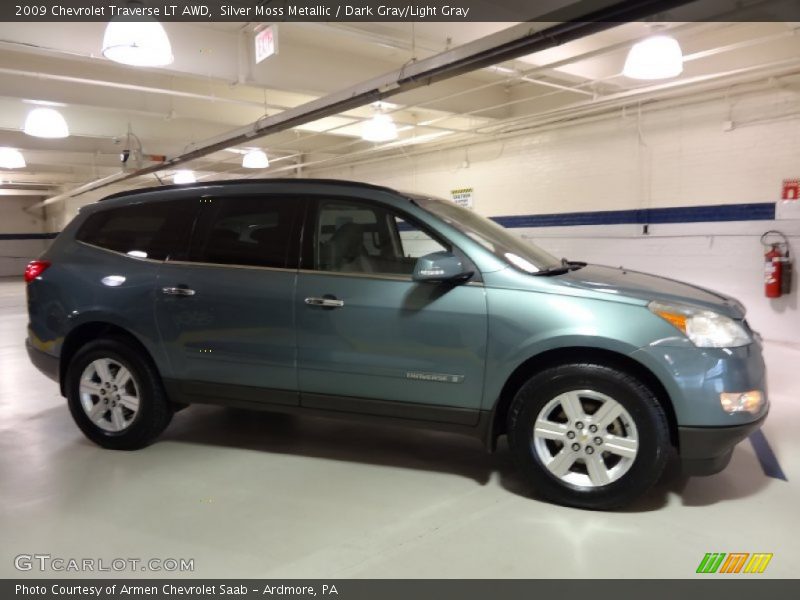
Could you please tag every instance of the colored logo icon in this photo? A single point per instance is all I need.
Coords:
(734, 562)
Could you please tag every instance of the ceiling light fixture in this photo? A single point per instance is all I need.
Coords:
(657, 57)
(137, 43)
(255, 159)
(380, 128)
(184, 176)
(46, 123)
(10, 158)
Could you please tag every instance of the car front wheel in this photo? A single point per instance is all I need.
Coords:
(588, 435)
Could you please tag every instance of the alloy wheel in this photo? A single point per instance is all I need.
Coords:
(109, 395)
(585, 438)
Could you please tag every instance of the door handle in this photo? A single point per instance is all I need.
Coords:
(325, 302)
(177, 291)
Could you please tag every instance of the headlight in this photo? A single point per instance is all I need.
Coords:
(705, 328)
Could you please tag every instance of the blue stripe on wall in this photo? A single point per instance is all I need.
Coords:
(27, 236)
(759, 211)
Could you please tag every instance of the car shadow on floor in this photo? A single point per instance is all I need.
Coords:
(333, 439)
(410, 448)
(731, 484)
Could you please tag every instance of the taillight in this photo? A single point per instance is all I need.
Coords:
(35, 268)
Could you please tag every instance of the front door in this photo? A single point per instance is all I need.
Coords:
(370, 339)
(226, 314)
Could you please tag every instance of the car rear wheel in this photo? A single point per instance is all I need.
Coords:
(115, 395)
(588, 435)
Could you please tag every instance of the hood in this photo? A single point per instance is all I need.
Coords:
(634, 284)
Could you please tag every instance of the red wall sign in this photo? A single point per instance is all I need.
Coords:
(791, 189)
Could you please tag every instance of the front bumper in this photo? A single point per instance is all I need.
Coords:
(46, 363)
(694, 378)
(708, 450)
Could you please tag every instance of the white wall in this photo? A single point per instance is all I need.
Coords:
(15, 254)
(659, 158)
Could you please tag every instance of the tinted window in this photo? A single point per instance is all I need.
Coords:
(155, 230)
(255, 231)
(365, 238)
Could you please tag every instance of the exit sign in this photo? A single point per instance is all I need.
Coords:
(790, 189)
(266, 43)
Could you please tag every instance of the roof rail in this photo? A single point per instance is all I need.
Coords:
(227, 182)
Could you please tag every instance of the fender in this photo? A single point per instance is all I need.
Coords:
(578, 348)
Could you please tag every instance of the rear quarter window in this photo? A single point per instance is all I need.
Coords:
(154, 230)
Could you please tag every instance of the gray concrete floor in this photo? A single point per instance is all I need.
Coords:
(263, 495)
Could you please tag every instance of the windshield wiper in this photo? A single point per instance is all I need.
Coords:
(564, 267)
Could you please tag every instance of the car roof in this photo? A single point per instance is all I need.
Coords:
(238, 182)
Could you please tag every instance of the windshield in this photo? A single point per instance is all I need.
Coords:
(499, 241)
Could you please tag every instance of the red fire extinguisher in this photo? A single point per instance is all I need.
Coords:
(777, 266)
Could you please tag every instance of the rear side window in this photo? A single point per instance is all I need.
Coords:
(250, 231)
(155, 230)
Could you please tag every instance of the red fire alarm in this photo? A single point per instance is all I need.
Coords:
(791, 189)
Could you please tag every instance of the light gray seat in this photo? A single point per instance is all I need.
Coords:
(346, 251)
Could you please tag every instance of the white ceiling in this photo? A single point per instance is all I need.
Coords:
(214, 87)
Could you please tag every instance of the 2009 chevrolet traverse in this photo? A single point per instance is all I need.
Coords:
(348, 299)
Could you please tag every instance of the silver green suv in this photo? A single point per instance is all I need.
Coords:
(344, 299)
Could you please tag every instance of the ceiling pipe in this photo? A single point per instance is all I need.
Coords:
(571, 115)
(4, 191)
(580, 113)
(790, 32)
(427, 124)
(152, 90)
(508, 72)
(510, 75)
(518, 74)
(682, 98)
(508, 44)
(596, 102)
(381, 40)
(772, 69)
(130, 87)
(548, 125)
(745, 74)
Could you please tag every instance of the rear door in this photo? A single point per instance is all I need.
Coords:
(111, 271)
(370, 339)
(227, 312)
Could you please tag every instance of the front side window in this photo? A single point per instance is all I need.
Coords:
(354, 237)
(496, 239)
(154, 230)
(249, 231)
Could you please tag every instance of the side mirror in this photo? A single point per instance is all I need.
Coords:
(439, 267)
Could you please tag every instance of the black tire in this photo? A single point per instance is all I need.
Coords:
(651, 428)
(154, 410)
